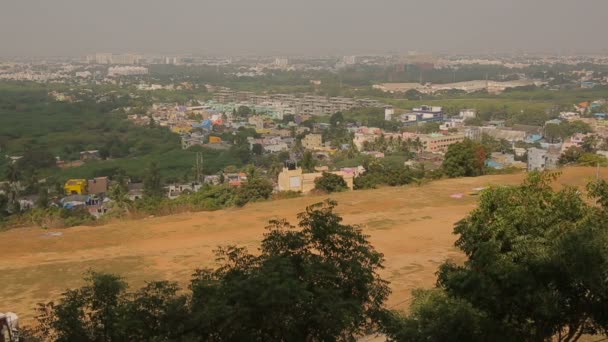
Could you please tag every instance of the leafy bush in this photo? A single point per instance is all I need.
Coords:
(330, 182)
(53, 217)
(254, 189)
(286, 195)
(377, 174)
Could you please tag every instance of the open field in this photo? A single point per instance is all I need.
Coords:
(411, 225)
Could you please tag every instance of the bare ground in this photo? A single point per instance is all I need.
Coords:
(411, 225)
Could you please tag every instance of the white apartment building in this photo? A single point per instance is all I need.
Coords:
(127, 71)
(467, 114)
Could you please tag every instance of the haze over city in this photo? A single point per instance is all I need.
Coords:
(75, 27)
(312, 170)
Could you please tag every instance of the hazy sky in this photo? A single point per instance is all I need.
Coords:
(74, 27)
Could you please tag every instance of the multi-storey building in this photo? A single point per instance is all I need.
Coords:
(439, 142)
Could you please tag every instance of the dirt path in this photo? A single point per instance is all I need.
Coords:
(412, 226)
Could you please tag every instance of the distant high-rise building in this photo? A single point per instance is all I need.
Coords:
(109, 58)
(349, 60)
(100, 58)
(171, 60)
(389, 111)
(281, 62)
(127, 71)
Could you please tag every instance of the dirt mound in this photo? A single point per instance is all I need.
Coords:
(411, 225)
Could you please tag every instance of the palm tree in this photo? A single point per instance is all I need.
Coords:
(120, 195)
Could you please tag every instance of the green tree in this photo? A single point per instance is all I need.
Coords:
(35, 159)
(13, 173)
(553, 132)
(308, 162)
(337, 119)
(473, 122)
(429, 127)
(465, 159)
(257, 149)
(571, 155)
(589, 144)
(315, 282)
(119, 193)
(592, 159)
(90, 313)
(572, 127)
(436, 317)
(254, 189)
(153, 184)
(243, 111)
(43, 200)
(330, 182)
(535, 270)
(3, 207)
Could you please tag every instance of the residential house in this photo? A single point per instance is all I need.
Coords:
(136, 191)
(312, 141)
(504, 134)
(467, 114)
(423, 114)
(98, 185)
(275, 148)
(499, 160)
(212, 179)
(192, 139)
(176, 190)
(540, 159)
(89, 155)
(473, 133)
(235, 179)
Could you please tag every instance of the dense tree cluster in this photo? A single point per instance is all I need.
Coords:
(536, 270)
(315, 282)
(330, 182)
(465, 159)
(379, 173)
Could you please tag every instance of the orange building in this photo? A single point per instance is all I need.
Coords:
(214, 140)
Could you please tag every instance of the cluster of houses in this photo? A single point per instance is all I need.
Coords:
(279, 105)
(205, 124)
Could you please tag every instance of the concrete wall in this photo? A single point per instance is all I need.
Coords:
(296, 180)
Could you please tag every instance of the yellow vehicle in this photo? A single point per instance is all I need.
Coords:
(75, 187)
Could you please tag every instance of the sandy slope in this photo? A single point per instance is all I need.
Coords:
(412, 226)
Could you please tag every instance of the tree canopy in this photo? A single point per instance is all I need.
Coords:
(330, 182)
(465, 159)
(315, 282)
(536, 270)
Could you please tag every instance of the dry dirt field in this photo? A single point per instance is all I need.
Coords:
(411, 225)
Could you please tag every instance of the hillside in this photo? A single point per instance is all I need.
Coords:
(411, 225)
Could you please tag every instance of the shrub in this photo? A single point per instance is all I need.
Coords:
(330, 182)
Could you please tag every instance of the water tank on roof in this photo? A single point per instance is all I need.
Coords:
(290, 164)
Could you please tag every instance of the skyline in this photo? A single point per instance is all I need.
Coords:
(315, 27)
